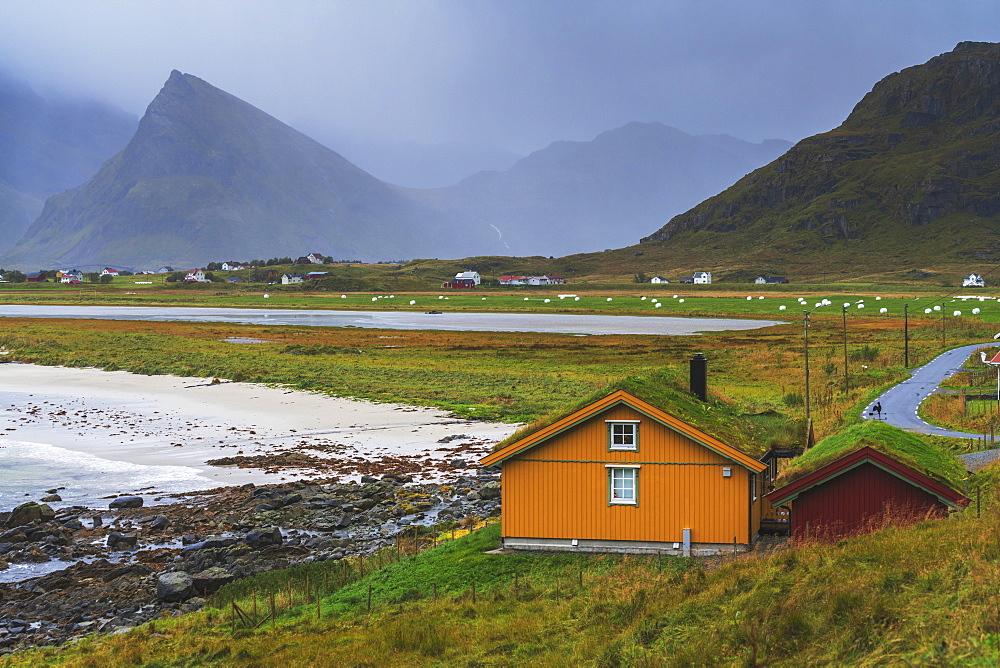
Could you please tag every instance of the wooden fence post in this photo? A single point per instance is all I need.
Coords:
(369, 598)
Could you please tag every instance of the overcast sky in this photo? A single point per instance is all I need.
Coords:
(512, 73)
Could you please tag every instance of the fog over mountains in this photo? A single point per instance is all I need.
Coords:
(47, 146)
(208, 177)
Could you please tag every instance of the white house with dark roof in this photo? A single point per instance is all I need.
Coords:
(702, 277)
(973, 281)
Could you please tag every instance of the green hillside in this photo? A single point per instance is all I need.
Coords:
(909, 180)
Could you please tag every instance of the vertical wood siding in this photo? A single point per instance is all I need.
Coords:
(566, 496)
(853, 502)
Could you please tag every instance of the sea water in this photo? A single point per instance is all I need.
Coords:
(28, 469)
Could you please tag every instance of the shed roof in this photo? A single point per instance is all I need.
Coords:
(617, 397)
(910, 449)
(866, 455)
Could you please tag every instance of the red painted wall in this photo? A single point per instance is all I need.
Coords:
(853, 502)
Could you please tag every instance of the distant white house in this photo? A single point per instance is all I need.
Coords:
(165, 269)
(196, 276)
(702, 277)
(468, 275)
(771, 280)
(289, 279)
(315, 258)
(232, 266)
(108, 271)
(545, 279)
(973, 281)
(658, 279)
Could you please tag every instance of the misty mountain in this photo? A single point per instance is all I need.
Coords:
(208, 177)
(912, 176)
(47, 145)
(413, 164)
(606, 193)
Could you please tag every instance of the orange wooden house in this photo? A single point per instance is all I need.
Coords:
(622, 475)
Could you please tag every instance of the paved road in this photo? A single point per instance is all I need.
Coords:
(899, 404)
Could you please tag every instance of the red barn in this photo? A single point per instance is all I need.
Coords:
(860, 491)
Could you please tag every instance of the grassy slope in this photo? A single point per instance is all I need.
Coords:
(920, 595)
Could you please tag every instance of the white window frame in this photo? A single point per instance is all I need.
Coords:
(634, 435)
(633, 477)
(753, 486)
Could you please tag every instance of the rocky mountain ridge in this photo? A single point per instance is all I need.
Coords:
(913, 172)
(208, 176)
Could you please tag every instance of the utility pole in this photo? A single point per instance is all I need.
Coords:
(805, 341)
(847, 381)
(906, 335)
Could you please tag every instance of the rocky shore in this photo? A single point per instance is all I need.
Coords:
(133, 562)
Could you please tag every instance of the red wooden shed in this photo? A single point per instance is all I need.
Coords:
(863, 490)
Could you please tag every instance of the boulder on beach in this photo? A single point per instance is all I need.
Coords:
(173, 587)
(29, 512)
(51, 498)
(118, 541)
(263, 537)
(210, 579)
(126, 502)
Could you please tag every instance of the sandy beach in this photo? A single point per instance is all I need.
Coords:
(95, 433)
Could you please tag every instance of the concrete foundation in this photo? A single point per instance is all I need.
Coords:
(621, 546)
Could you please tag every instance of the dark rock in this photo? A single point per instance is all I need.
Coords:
(209, 544)
(189, 539)
(13, 536)
(459, 463)
(193, 604)
(263, 537)
(172, 587)
(126, 502)
(132, 570)
(366, 504)
(365, 479)
(210, 579)
(73, 524)
(290, 499)
(51, 498)
(159, 522)
(118, 541)
(30, 512)
(262, 507)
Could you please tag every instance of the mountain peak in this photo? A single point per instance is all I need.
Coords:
(209, 176)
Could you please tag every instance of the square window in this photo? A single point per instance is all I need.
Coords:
(623, 435)
(623, 484)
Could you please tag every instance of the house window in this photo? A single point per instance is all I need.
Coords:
(753, 486)
(623, 434)
(623, 485)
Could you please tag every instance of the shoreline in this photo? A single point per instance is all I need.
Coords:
(168, 428)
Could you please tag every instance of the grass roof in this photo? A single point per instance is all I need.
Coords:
(667, 389)
(908, 448)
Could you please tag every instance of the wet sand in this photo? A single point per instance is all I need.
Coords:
(167, 421)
